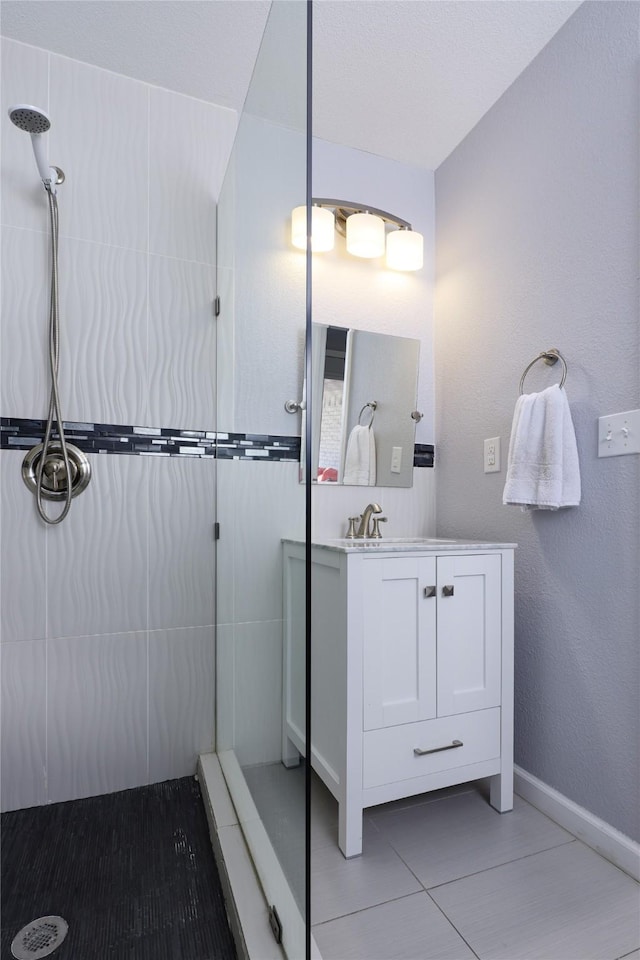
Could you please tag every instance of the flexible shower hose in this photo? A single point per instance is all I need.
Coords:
(54, 350)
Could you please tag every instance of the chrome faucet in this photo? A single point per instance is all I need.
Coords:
(364, 531)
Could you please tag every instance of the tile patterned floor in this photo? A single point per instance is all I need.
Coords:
(445, 877)
(506, 887)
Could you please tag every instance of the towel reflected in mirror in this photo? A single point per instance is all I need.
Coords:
(360, 459)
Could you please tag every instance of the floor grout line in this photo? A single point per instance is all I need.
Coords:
(373, 906)
(497, 866)
(474, 872)
(450, 921)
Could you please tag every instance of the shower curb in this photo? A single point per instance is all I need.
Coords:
(244, 898)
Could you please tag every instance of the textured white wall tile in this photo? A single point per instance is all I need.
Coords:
(258, 692)
(24, 323)
(22, 556)
(263, 203)
(227, 503)
(181, 544)
(226, 232)
(270, 505)
(97, 569)
(181, 344)
(225, 351)
(181, 700)
(225, 687)
(97, 714)
(103, 363)
(24, 80)
(99, 136)
(23, 724)
(269, 343)
(190, 143)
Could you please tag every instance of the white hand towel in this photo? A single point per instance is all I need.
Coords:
(543, 472)
(360, 460)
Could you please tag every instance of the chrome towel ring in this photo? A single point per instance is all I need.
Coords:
(550, 357)
(372, 406)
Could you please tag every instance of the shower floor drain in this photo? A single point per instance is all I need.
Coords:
(39, 938)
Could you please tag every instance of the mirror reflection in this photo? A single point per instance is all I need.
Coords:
(364, 399)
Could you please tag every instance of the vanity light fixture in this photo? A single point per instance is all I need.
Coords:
(404, 249)
(365, 231)
(365, 235)
(322, 229)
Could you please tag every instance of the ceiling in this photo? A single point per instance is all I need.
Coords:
(405, 79)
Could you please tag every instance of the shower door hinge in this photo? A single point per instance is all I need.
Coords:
(216, 531)
(275, 924)
(216, 307)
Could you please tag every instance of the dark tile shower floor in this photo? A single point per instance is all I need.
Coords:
(132, 873)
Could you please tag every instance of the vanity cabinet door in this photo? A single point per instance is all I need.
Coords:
(399, 640)
(469, 633)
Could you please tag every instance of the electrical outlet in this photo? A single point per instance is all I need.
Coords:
(619, 433)
(492, 455)
(396, 459)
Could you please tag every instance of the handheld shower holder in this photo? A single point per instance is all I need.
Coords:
(56, 180)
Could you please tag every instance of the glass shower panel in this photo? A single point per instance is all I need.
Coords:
(262, 327)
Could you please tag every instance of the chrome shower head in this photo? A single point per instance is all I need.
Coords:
(33, 120)
(30, 119)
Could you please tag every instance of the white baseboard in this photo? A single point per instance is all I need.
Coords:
(603, 838)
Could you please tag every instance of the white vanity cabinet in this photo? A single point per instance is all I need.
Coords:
(412, 670)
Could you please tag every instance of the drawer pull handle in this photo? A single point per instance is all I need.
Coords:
(429, 592)
(450, 746)
(447, 591)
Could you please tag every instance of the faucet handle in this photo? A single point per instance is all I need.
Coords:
(351, 532)
(376, 529)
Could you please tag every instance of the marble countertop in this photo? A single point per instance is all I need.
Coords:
(406, 545)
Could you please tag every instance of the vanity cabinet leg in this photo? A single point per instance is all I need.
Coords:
(350, 829)
(501, 791)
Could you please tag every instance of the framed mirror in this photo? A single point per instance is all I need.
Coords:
(364, 407)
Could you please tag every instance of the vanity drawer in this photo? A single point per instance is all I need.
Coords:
(389, 756)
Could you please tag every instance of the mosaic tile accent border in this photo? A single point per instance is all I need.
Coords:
(20, 434)
(423, 455)
(17, 433)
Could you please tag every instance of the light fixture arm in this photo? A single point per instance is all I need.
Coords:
(344, 209)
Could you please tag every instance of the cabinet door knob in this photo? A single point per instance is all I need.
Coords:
(429, 592)
(450, 746)
(448, 590)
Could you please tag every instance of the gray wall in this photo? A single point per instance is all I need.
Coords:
(537, 246)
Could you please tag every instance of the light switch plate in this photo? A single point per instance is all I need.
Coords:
(492, 455)
(396, 459)
(619, 434)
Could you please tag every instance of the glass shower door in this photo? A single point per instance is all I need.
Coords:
(261, 335)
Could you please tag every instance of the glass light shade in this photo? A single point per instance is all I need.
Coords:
(322, 229)
(405, 250)
(365, 235)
